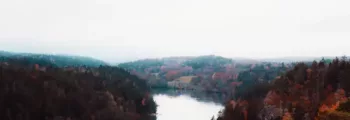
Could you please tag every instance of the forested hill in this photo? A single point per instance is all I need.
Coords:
(29, 91)
(194, 62)
(316, 91)
(57, 60)
(205, 73)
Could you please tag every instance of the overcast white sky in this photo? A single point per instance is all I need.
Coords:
(120, 30)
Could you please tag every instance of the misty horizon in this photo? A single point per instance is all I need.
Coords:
(118, 31)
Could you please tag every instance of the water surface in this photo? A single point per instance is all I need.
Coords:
(186, 105)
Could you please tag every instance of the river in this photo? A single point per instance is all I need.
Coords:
(187, 105)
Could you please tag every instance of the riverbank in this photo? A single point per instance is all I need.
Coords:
(199, 89)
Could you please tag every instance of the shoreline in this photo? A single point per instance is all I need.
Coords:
(191, 89)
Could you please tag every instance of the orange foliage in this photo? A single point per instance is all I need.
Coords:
(287, 116)
(330, 100)
(325, 108)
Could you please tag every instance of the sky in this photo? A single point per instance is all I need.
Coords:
(123, 30)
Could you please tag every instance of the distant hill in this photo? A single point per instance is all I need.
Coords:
(5, 53)
(59, 60)
(212, 73)
(194, 62)
(295, 59)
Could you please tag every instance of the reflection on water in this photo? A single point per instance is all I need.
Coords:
(186, 105)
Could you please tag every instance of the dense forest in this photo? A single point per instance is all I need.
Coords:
(309, 91)
(35, 88)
